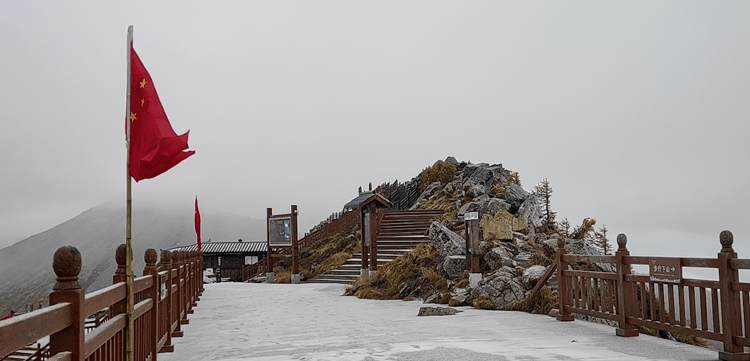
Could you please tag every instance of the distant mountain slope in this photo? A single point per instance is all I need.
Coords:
(27, 265)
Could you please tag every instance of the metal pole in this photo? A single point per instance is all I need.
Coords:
(128, 233)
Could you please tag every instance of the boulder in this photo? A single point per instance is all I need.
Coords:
(531, 211)
(515, 193)
(437, 311)
(428, 192)
(498, 227)
(532, 274)
(523, 258)
(493, 206)
(502, 287)
(446, 242)
(498, 257)
(453, 267)
(468, 207)
(452, 161)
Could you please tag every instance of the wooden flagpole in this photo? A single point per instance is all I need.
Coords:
(128, 234)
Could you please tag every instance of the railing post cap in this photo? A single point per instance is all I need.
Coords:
(150, 257)
(120, 255)
(166, 256)
(561, 242)
(622, 242)
(727, 240)
(67, 265)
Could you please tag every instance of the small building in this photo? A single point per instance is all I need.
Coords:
(227, 258)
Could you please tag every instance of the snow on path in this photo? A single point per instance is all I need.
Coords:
(240, 321)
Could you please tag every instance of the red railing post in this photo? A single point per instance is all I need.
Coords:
(184, 296)
(67, 265)
(177, 300)
(625, 292)
(190, 275)
(153, 322)
(166, 266)
(563, 283)
(121, 306)
(731, 317)
(201, 270)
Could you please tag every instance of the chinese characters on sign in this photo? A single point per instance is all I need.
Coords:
(665, 270)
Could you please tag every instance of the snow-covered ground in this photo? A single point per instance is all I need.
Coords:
(239, 321)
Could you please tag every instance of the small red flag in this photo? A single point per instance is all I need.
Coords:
(198, 223)
(154, 145)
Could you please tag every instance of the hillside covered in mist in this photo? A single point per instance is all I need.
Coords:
(27, 265)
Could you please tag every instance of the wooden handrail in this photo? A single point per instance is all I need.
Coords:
(154, 312)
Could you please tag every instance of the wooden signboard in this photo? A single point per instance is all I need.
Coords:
(366, 228)
(665, 270)
(280, 231)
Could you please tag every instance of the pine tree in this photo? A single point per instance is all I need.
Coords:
(585, 230)
(544, 191)
(601, 236)
(564, 227)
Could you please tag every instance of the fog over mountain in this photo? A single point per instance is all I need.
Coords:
(27, 265)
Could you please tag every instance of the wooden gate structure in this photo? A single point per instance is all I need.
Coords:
(715, 310)
(163, 299)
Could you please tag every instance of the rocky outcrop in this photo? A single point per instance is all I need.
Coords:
(446, 242)
(502, 287)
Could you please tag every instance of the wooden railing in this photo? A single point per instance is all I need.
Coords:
(162, 300)
(715, 310)
(345, 223)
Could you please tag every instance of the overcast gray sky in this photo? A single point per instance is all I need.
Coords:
(635, 111)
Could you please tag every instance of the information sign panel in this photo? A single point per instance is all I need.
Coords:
(366, 228)
(665, 270)
(280, 231)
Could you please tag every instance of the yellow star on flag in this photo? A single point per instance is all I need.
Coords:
(132, 116)
(143, 83)
(142, 100)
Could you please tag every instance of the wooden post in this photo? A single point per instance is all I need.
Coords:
(373, 236)
(120, 276)
(166, 265)
(153, 322)
(365, 227)
(625, 292)
(295, 250)
(269, 261)
(202, 269)
(731, 316)
(177, 299)
(184, 296)
(472, 244)
(563, 283)
(67, 265)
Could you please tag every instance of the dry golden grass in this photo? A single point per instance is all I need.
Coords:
(485, 303)
(322, 256)
(541, 301)
(281, 275)
(416, 266)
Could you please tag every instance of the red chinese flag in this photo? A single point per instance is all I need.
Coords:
(198, 223)
(154, 145)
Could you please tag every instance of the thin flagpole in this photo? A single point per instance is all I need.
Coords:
(129, 215)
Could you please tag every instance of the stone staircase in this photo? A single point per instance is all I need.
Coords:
(400, 232)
